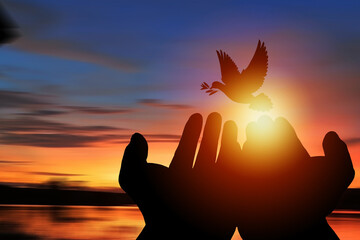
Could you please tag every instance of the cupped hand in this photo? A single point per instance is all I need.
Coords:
(186, 200)
(283, 193)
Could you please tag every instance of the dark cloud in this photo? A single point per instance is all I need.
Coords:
(14, 162)
(71, 140)
(30, 14)
(152, 141)
(161, 104)
(163, 140)
(8, 28)
(97, 110)
(32, 104)
(55, 174)
(31, 124)
(26, 129)
(352, 141)
(38, 20)
(150, 137)
(162, 136)
(40, 113)
(51, 140)
(155, 138)
(13, 99)
(32, 131)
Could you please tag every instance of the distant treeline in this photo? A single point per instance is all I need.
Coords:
(350, 199)
(43, 196)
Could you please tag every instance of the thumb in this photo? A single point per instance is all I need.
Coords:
(134, 159)
(136, 152)
(336, 151)
(334, 147)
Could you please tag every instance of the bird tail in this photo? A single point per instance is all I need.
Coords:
(261, 103)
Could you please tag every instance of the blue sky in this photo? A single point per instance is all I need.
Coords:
(121, 51)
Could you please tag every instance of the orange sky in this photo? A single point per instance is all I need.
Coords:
(99, 165)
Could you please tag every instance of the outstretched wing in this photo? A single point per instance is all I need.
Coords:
(253, 76)
(229, 70)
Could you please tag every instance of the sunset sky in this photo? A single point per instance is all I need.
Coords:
(85, 75)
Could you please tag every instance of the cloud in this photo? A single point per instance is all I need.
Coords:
(60, 140)
(8, 30)
(31, 124)
(37, 21)
(33, 104)
(14, 162)
(26, 129)
(29, 14)
(97, 110)
(40, 113)
(162, 136)
(73, 51)
(32, 131)
(58, 174)
(152, 141)
(150, 137)
(14, 99)
(55, 140)
(159, 103)
(352, 141)
(155, 138)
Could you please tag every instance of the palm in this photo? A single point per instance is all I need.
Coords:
(181, 201)
(287, 191)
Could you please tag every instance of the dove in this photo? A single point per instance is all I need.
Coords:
(240, 87)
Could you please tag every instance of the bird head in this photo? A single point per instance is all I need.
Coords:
(216, 85)
(210, 90)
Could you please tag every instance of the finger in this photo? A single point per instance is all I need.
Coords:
(208, 147)
(336, 150)
(134, 159)
(287, 136)
(265, 123)
(251, 132)
(265, 130)
(259, 135)
(185, 152)
(334, 147)
(250, 140)
(230, 148)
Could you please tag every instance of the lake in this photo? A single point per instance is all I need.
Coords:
(109, 223)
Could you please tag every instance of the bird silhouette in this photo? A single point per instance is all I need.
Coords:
(240, 87)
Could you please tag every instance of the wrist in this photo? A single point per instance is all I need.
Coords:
(180, 232)
(151, 231)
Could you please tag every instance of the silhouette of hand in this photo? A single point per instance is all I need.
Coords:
(284, 193)
(183, 201)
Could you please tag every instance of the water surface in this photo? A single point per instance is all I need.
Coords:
(108, 223)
